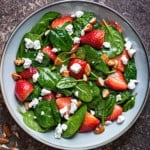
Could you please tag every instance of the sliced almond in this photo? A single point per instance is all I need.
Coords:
(88, 28)
(100, 81)
(85, 78)
(105, 58)
(87, 69)
(4, 140)
(16, 76)
(7, 129)
(79, 103)
(100, 129)
(58, 61)
(26, 105)
(93, 21)
(65, 73)
(19, 62)
(112, 63)
(105, 93)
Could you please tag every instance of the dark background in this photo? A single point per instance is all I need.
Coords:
(137, 12)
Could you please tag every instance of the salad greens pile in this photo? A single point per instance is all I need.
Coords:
(44, 114)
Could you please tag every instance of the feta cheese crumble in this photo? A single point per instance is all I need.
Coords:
(79, 13)
(128, 45)
(106, 45)
(45, 92)
(120, 119)
(76, 93)
(55, 50)
(118, 98)
(124, 59)
(59, 130)
(63, 68)
(39, 57)
(47, 32)
(35, 77)
(34, 103)
(75, 68)
(28, 43)
(37, 44)
(69, 29)
(27, 63)
(76, 40)
(73, 106)
(42, 113)
(108, 122)
(132, 84)
(131, 52)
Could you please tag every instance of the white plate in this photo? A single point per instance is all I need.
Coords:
(87, 140)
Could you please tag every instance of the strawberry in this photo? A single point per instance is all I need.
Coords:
(59, 22)
(23, 89)
(120, 65)
(115, 24)
(116, 81)
(61, 102)
(90, 123)
(117, 111)
(95, 38)
(28, 73)
(49, 52)
(73, 64)
(75, 47)
(49, 96)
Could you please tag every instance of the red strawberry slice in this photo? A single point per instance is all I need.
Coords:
(90, 123)
(59, 22)
(117, 111)
(115, 24)
(61, 102)
(28, 73)
(120, 65)
(49, 52)
(49, 96)
(95, 38)
(75, 47)
(75, 62)
(116, 81)
(23, 89)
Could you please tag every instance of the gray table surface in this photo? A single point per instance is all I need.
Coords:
(137, 12)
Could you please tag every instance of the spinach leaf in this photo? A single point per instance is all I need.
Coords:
(129, 104)
(80, 23)
(93, 57)
(44, 22)
(44, 115)
(80, 53)
(95, 89)
(30, 121)
(47, 78)
(130, 71)
(66, 82)
(84, 92)
(115, 39)
(60, 39)
(105, 107)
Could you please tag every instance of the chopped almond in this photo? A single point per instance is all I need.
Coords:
(16, 76)
(87, 69)
(58, 61)
(19, 62)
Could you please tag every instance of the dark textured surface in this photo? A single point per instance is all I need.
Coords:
(12, 12)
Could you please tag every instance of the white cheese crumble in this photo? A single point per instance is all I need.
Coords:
(76, 40)
(35, 77)
(73, 106)
(47, 32)
(39, 57)
(92, 112)
(120, 119)
(106, 45)
(37, 44)
(59, 130)
(33, 103)
(63, 68)
(128, 45)
(79, 13)
(76, 93)
(132, 84)
(55, 50)
(28, 43)
(75, 68)
(64, 110)
(124, 59)
(108, 122)
(45, 92)
(118, 98)
(69, 29)
(82, 32)
(131, 52)
(42, 113)
(27, 63)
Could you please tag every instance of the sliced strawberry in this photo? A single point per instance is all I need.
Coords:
(59, 22)
(75, 47)
(49, 52)
(117, 111)
(28, 73)
(73, 64)
(95, 38)
(23, 89)
(61, 102)
(115, 24)
(116, 81)
(120, 65)
(49, 96)
(90, 123)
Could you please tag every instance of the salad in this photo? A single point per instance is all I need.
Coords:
(74, 74)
